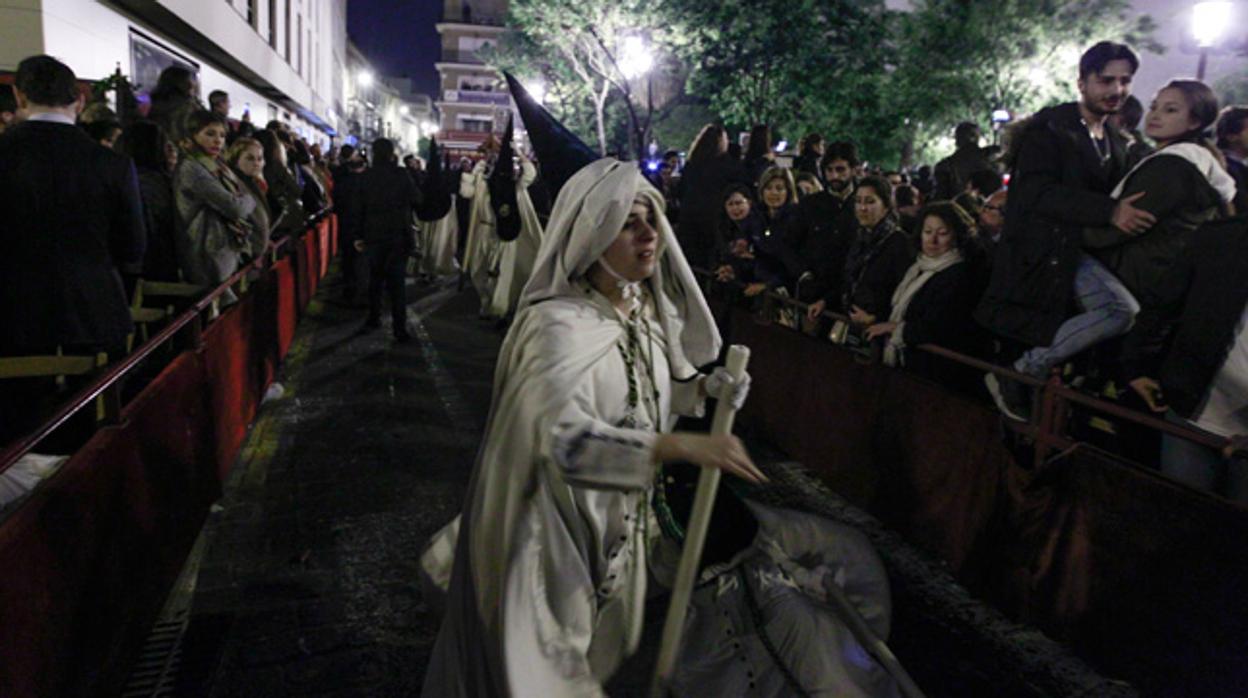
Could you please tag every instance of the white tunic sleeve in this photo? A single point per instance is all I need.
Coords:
(594, 454)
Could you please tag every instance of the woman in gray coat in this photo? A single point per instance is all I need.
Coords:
(213, 205)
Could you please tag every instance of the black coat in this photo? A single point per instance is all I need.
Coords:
(160, 261)
(1058, 187)
(1181, 199)
(72, 216)
(702, 204)
(873, 289)
(821, 239)
(1184, 338)
(953, 172)
(940, 312)
(1239, 171)
(380, 205)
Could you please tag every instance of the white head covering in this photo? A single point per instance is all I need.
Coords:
(589, 214)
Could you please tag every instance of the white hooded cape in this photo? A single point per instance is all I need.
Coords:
(548, 580)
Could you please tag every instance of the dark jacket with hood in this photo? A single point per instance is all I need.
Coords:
(1059, 186)
(1181, 198)
(1184, 338)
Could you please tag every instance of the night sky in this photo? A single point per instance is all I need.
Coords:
(399, 37)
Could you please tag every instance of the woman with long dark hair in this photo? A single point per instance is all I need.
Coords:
(284, 194)
(707, 172)
(1184, 184)
(758, 154)
(174, 98)
(154, 159)
(879, 255)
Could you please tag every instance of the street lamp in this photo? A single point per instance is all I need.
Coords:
(365, 78)
(635, 57)
(636, 60)
(1209, 21)
(537, 90)
(404, 111)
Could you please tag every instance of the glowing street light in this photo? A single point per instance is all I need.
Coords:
(404, 111)
(365, 78)
(635, 57)
(537, 90)
(1209, 21)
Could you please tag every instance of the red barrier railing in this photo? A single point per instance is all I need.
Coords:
(112, 376)
(89, 555)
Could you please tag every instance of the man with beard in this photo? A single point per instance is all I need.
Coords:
(1068, 162)
(827, 218)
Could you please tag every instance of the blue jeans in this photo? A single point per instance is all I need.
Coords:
(1201, 467)
(1108, 311)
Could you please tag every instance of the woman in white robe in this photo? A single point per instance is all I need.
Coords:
(518, 256)
(549, 574)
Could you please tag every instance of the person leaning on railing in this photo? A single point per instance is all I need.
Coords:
(1187, 356)
(213, 206)
(73, 216)
(246, 159)
(933, 302)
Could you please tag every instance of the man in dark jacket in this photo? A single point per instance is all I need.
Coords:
(379, 206)
(350, 165)
(826, 223)
(1068, 163)
(968, 158)
(1188, 354)
(1232, 130)
(73, 216)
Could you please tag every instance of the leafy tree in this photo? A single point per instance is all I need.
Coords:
(580, 41)
(796, 65)
(1233, 88)
(958, 60)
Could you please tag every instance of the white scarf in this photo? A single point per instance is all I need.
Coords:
(1204, 162)
(917, 275)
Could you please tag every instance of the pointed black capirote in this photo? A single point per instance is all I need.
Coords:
(436, 192)
(502, 185)
(560, 154)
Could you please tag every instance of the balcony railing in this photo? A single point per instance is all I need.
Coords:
(498, 99)
(460, 56)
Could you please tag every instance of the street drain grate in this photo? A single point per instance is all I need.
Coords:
(155, 672)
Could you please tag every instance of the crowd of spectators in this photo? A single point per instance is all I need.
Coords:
(1047, 276)
(180, 194)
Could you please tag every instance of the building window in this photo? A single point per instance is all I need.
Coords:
(287, 27)
(299, 39)
(273, 24)
(252, 19)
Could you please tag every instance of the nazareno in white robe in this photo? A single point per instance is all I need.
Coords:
(482, 246)
(517, 257)
(548, 581)
(438, 242)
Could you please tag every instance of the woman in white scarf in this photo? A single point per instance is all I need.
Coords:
(546, 593)
(933, 302)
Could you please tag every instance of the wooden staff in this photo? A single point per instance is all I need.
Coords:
(695, 536)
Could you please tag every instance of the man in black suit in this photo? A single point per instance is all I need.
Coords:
(72, 216)
(1069, 160)
(379, 207)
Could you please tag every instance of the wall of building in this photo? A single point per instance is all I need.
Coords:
(94, 38)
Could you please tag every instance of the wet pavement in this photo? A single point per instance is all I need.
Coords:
(307, 581)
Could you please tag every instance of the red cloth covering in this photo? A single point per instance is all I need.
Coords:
(87, 560)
